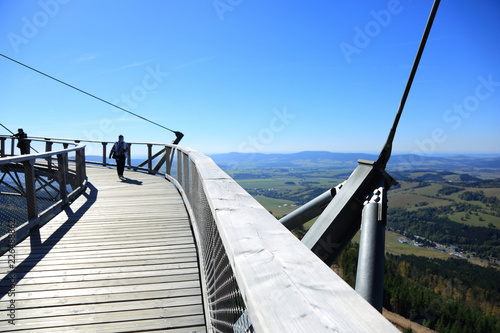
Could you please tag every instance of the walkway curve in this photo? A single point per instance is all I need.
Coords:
(121, 258)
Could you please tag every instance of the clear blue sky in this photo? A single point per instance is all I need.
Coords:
(266, 76)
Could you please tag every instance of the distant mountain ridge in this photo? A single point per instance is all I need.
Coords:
(312, 159)
(321, 157)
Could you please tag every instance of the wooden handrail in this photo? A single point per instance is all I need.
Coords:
(22, 158)
(286, 287)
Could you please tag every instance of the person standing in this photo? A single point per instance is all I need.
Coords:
(119, 153)
(22, 142)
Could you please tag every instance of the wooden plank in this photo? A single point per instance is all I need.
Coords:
(41, 312)
(26, 303)
(164, 249)
(145, 263)
(106, 270)
(186, 324)
(104, 256)
(28, 280)
(113, 245)
(183, 238)
(142, 281)
(166, 317)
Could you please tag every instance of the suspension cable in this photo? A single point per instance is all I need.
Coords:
(8, 130)
(91, 95)
(385, 154)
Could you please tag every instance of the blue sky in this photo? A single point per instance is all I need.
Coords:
(255, 76)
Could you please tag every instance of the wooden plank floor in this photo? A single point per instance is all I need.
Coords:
(121, 258)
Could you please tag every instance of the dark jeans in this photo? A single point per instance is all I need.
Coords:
(23, 147)
(120, 165)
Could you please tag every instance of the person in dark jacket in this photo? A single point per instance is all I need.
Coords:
(119, 153)
(22, 142)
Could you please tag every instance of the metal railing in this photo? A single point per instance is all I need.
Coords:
(256, 275)
(36, 187)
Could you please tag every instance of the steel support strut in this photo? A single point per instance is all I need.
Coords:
(370, 273)
(341, 219)
(310, 210)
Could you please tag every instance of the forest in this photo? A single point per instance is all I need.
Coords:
(445, 295)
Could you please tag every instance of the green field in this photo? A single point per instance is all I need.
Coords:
(281, 190)
(393, 246)
(285, 186)
(277, 207)
(413, 196)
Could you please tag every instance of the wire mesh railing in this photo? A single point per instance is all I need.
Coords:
(226, 308)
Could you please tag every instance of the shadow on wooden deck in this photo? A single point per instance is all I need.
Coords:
(39, 250)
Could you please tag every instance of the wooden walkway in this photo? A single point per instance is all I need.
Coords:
(121, 258)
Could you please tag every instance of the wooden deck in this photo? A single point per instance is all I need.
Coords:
(121, 258)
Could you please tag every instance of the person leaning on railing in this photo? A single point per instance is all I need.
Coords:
(119, 153)
(22, 143)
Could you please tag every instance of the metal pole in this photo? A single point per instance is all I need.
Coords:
(61, 172)
(308, 211)
(2, 148)
(150, 160)
(129, 159)
(104, 155)
(370, 274)
(80, 166)
(48, 147)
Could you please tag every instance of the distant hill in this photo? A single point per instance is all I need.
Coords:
(302, 159)
(324, 159)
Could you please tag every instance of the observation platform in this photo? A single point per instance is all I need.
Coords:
(120, 258)
(125, 255)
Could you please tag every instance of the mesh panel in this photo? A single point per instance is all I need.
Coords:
(13, 206)
(29, 188)
(225, 302)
